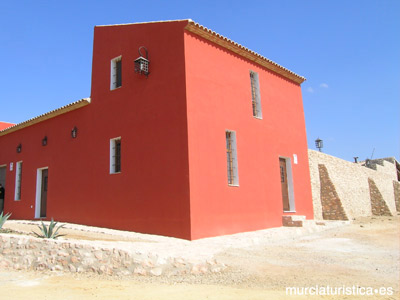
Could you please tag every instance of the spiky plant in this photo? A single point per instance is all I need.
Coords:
(3, 218)
(50, 232)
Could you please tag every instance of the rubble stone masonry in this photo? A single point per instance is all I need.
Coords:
(20, 252)
(350, 182)
(378, 205)
(396, 187)
(332, 208)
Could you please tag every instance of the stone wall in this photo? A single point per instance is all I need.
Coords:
(396, 187)
(378, 204)
(21, 252)
(352, 185)
(332, 208)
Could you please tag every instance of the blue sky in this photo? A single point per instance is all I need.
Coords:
(349, 51)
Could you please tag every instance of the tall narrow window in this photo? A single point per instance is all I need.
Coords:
(255, 95)
(18, 178)
(231, 156)
(115, 155)
(116, 73)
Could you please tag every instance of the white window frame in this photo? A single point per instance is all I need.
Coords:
(231, 158)
(18, 179)
(113, 153)
(255, 95)
(113, 79)
(289, 175)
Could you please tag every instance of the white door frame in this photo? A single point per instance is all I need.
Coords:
(39, 191)
(289, 173)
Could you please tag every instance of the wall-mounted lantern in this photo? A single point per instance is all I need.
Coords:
(19, 148)
(142, 63)
(74, 132)
(44, 141)
(319, 144)
(368, 163)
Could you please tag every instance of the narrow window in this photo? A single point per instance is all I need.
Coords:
(115, 155)
(116, 73)
(18, 178)
(231, 156)
(255, 95)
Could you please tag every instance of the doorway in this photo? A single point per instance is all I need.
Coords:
(285, 167)
(42, 182)
(3, 175)
(3, 183)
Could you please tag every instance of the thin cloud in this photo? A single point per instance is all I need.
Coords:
(324, 85)
(310, 90)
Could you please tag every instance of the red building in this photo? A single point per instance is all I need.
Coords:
(4, 125)
(212, 141)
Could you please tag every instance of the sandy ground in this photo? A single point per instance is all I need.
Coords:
(365, 253)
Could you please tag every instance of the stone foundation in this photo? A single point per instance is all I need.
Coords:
(30, 253)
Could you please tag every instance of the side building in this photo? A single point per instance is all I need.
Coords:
(186, 134)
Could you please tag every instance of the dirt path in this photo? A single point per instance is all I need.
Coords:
(364, 254)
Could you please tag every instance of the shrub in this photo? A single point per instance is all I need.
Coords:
(50, 232)
(3, 218)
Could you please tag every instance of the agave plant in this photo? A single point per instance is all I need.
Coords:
(3, 218)
(50, 232)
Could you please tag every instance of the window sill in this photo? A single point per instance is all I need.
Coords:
(233, 185)
(116, 88)
(115, 173)
(289, 211)
(258, 118)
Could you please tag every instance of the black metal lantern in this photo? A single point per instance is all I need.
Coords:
(368, 163)
(319, 144)
(142, 63)
(74, 132)
(44, 141)
(19, 148)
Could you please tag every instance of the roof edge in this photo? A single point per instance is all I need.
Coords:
(151, 22)
(226, 43)
(49, 115)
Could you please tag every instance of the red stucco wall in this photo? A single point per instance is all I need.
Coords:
(219, 99)
(151, 194)
(4, 125)
(173, 178)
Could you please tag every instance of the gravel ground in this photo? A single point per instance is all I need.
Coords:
(365, 253)
(166, 247)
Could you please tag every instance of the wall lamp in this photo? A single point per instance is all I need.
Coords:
(44, 141)
(319, 144)
(19, 148)
(142, 63)
(74, 132)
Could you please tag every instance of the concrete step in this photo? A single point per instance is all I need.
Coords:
(293, 221)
